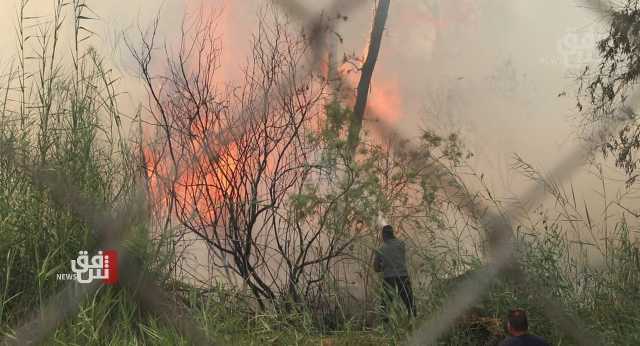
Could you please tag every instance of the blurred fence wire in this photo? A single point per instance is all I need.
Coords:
(111, 225)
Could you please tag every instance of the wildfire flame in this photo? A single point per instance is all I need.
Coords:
(205, 180)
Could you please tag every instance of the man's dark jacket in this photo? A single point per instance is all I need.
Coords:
(390, 259)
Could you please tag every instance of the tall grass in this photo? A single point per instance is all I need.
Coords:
(590, 266)
(59, 115)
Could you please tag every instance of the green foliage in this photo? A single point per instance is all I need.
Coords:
(603, 297)
(333, 133)
(66, 123)
(609, 87)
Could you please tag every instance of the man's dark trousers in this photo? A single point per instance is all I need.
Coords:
(400, 285)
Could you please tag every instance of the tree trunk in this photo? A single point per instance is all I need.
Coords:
(380, 18)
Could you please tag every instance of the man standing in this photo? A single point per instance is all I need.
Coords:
(390, 260)
(517, 326)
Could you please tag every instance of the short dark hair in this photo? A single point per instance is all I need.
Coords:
(387, 232)
(518, 320)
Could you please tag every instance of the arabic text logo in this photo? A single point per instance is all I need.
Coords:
(102, 266)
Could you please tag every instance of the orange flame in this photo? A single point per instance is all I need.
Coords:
(204, 180)
(385, 101)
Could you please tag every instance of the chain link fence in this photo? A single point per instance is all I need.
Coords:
(150, 295)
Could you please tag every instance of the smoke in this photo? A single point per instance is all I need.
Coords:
(499, 72)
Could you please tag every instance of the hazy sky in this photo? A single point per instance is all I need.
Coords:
(491, 69)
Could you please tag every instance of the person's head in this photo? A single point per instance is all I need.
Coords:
(387, 232)
(517, 323)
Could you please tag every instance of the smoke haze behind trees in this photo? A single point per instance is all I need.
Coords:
(499, 72)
